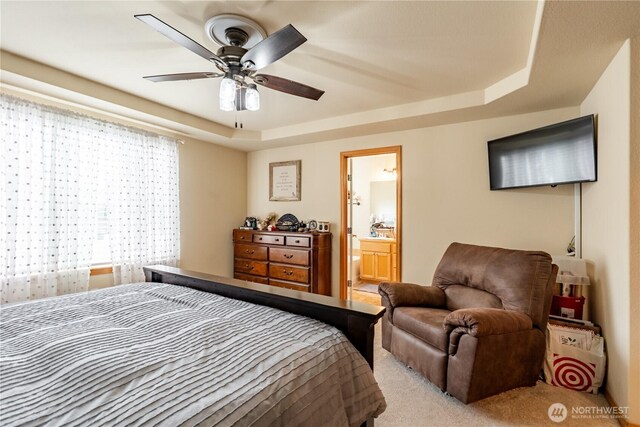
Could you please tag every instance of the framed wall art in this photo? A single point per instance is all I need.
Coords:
(284, 181)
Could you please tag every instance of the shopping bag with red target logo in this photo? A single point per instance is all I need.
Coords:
(575, 359)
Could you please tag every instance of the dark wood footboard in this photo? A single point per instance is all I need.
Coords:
(355, 320)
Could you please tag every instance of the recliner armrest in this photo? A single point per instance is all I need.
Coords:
(396, 294)
(479, 322)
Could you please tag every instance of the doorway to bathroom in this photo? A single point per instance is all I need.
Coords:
(371, 221)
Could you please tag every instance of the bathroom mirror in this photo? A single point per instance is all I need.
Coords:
(383, 202)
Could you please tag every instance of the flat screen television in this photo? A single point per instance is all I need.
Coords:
(563, 153)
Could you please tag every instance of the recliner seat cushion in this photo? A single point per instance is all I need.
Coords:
(426, 324)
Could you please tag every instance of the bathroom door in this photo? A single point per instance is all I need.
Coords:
(350, 236)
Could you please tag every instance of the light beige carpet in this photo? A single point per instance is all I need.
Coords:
(413, 401)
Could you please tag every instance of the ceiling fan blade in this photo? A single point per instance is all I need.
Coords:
(182, 76)
(184, 41)
(287, 86)
(272, 48)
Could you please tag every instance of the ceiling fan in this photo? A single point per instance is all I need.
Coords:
(245, 50)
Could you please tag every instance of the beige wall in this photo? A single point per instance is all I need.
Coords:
(605, 218)
(446, 193)
(213, 182)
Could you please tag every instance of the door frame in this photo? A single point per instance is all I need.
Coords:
(344, 160)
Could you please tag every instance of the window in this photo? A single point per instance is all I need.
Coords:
(75, 191)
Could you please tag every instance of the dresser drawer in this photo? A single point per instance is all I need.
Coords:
(250, 278)
(289, 256)
(303, 242)
(288, 285)
(268, 239)
(257, 268)
(288, 272)
(250, 252)
(242, 235)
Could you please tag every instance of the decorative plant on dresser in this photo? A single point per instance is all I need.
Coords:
(293, 260)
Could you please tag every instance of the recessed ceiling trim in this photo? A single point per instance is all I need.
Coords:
(33, 70)
(521, 78)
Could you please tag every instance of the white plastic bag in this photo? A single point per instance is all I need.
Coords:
(575, 359)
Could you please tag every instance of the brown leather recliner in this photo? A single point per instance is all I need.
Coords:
(479, 329)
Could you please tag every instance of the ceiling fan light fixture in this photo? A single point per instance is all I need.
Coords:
(227, 88)
(226, 105)
(241, 98)
(252, 101)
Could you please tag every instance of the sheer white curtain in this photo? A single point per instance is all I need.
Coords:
(142, 199)
(46, 202)
(53, 165)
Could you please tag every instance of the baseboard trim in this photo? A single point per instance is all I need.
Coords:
(623, 422)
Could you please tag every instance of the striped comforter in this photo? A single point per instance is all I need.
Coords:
(158, 354)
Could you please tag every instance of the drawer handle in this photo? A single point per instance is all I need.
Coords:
(288, 256)
(298, 241)
(248, 267)
(250, 252)
(242, 238)
(288, 273)
(277, 240)
(260, 238)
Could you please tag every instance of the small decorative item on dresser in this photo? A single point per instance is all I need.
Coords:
(267, 221)
(288, 222)
(250, 223)
(323, 226)
(313, 225)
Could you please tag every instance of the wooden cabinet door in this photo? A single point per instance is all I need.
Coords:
(383, 266)
(367, 265)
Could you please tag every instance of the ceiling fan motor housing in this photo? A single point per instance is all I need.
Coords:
(236, 36)
(231, 54)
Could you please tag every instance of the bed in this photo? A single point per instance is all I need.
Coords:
(209, 351)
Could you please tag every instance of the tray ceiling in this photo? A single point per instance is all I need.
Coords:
(377, 61)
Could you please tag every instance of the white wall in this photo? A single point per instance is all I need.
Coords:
(361, 172)
(446, 193)
(605, 218)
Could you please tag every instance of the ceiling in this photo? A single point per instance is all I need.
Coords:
(384, 65)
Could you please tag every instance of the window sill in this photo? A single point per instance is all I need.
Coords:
(97, 270)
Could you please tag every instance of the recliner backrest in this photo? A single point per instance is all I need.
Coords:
(481, 276)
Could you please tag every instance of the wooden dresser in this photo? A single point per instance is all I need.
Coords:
(300, 261)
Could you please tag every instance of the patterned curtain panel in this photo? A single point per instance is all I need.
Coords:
(68, 181)
(142, 199)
